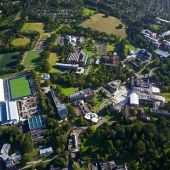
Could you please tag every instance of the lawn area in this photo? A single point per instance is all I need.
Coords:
(35, 26)
(155, 27)
(31, 59)
(105, 24)
(88, 12)
(167, 96)
(129, 47)
(19, 87)
(53, 60)
(8, 59)
(110, 47)
(98, 101)
(20, 41)
(68, 91)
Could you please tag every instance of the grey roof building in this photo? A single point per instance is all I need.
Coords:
(62, 111)
(85, 94)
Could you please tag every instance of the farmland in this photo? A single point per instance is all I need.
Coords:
(20, 41)
(8, 59)
(31, 59)
(105, 24)
(19, 87)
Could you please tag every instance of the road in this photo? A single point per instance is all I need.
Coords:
(29, 164)
(138, 74)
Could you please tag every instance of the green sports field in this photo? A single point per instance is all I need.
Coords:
(19, 87)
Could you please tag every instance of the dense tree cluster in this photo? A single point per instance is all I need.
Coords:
(143, 145)
(95, 79)
(19, 142)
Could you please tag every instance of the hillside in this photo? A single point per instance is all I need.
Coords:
(131, 10)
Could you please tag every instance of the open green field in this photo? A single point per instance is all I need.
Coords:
(20, 41)
(31, 59)
(68, 91)
(8, 59)
(167, 96)
(53, 60)
(105, 24)
(19, 87)
(35, 26)
(88, 12)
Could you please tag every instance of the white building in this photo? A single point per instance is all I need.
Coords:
(2, 94)
(92, 117)
(9, 113)
(45, 151)
(134, 99)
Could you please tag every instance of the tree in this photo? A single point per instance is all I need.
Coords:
(141, 147)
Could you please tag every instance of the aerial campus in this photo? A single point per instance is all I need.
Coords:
(84, 85)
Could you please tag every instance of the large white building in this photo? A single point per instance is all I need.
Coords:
(134, 99)
(2, 95)
(9, 113)
(8, 109)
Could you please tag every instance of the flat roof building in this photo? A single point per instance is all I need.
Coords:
(134, 99)
(162, 54)
(62, 111)
(2, 94)
(36, 122)
(85, 94)
(45, 151)
(9, 113)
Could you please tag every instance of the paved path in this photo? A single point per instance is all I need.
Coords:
(29, 164)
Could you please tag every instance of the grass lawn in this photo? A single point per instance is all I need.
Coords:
(88, 12)
(19, 87)
(110, 47)
(129, 47)
(105, 24)
(31, 59)
(155, 27)
(68, 91)
(167, 96)
(8, 59)
(53, 60)
(20, 41)
(35, 26)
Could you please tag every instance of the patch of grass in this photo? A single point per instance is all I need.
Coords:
(20, 41)
(110, 47)
(68, 91)
(8, 59)
(98, 101)
(44, 37)
(88, 12)
(167, 96)
(31, 59)
(5, 75)
(35, 26)
(53, 58)
(105, 24)
(155, 27)
(19, 87)
(129, 47)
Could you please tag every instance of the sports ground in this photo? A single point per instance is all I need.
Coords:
(19, 87)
